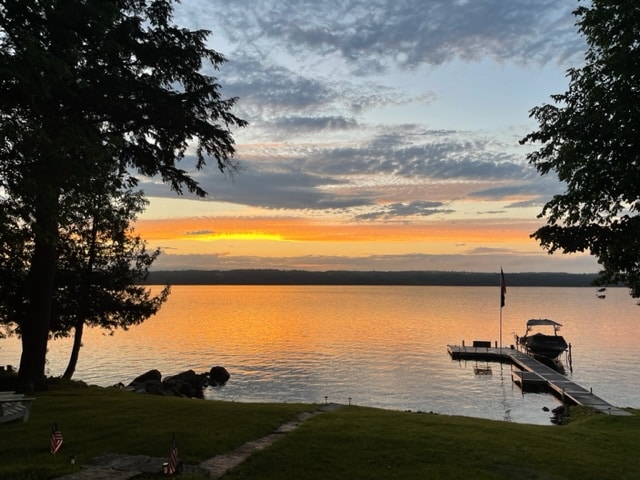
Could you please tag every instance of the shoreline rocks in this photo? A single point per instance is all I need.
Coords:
(185, 384)
(218, 376)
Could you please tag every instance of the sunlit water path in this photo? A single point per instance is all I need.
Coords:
(375, 346)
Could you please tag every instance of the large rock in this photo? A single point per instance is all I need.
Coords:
(149, 382)
(150, 375)
(218, 376)
(187, 384)
(154, 387)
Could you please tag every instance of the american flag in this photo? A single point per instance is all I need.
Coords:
(173, 457)
(56, 439)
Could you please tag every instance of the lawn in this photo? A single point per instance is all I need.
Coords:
(348, 443)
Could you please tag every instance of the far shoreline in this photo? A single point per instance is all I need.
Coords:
(383, 278)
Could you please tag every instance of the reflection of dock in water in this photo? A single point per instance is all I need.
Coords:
(535, 374)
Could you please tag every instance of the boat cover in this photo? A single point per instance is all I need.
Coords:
(542, 321)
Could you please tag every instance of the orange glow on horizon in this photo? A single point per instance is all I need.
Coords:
(305, 230)
(208, 237)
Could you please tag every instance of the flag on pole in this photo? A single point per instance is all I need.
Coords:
(173, 457)
(503, 288)
(56, 439)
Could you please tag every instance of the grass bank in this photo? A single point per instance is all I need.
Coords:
(349, 443)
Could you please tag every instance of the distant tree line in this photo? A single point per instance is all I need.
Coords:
(303, 277)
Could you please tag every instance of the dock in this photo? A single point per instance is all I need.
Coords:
(534, 373)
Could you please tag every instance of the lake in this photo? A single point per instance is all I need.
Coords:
(368, 345)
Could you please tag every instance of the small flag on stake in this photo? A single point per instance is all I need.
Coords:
(173, 457)
(503, 288)
(56, 439)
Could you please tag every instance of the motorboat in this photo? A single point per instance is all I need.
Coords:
(539, 344)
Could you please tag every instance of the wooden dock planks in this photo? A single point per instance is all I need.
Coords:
(562, 386)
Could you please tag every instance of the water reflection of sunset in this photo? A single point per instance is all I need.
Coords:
(381, 346)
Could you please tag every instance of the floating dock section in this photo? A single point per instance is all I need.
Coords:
(535, 374)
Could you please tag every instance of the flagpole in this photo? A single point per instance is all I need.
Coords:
(503, 292)
(500, 329)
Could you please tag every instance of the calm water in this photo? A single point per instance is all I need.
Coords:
(375, 346)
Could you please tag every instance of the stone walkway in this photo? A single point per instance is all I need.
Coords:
(113, 466)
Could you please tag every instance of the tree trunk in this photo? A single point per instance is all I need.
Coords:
(75, 351)
(85, 292)
(41, 285)
(35, 328)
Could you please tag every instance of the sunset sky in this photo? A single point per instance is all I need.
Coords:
(383, 135)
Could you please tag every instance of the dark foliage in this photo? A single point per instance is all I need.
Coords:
(590, 139)
(89, 88)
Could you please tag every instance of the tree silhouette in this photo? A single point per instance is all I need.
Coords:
(590, 139)
(101, 264)
(108, 86)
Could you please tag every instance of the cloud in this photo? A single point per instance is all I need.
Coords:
(273, 189)
(326, 177)
(317, 79)
(404, 210)
(540, 188)
(284, 127)
(273, 88)
(383, 112)
(371, 36)
(197, 233)
(435, 157)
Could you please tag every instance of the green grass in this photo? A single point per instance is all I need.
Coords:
(359, 443)
(96, 420)
(349, 443)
